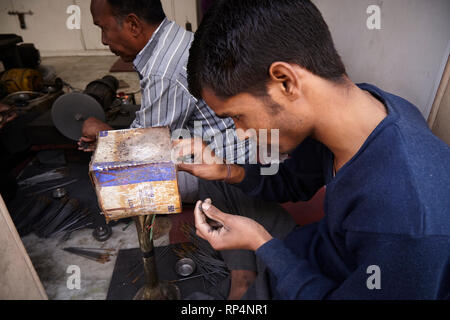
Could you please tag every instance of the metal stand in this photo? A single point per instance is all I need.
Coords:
(153, 289)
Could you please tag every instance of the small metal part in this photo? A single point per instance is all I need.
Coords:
(185, 267)
(102, 233)
(59, 193)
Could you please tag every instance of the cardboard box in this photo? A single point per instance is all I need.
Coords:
(133, 173)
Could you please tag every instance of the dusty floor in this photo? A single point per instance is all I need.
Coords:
(50, 261)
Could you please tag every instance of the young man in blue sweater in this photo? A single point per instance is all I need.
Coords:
(386, 231)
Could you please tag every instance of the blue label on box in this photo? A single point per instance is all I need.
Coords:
(137, 174)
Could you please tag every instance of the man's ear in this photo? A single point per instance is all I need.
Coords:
(286, 77)
(134, 24)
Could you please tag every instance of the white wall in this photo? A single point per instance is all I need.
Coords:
(46, 28)
(181, 11)
(406, 57)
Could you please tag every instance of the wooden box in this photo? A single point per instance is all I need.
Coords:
(133, 173)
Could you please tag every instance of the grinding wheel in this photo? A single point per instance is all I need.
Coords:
(70, 110)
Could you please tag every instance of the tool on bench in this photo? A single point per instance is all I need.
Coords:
(134, 176)
(92, 253)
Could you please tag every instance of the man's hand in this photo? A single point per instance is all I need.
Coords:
(6, 117)
(206, 165)
(91, 127)
(236, 232)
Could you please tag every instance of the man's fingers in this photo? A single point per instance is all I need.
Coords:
(87, 139)
(200, 220)
(213, 213)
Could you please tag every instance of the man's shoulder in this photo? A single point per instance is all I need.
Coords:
(170, 56)
(404, 184)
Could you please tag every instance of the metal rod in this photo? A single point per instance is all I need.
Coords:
(193, 277)
(54, 187)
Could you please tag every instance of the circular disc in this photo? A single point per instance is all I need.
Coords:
(70, 110)
(102, 233)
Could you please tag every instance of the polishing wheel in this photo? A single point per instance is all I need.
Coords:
(70, 111)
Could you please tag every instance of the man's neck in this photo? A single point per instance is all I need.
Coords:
(147, 34)
(347, 116)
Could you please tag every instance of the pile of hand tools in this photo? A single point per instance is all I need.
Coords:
(49, 218)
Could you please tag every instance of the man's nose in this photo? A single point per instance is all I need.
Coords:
(104, 41)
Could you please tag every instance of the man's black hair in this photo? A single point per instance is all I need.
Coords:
(238, 40)
(150, 11)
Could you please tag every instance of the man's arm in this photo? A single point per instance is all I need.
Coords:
(163, 103)
(385, 266)
(297, 179)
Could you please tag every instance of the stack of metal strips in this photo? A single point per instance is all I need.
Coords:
(54, 174)
(48, 218)
(96, 254)
(36, 182)
(208, 260)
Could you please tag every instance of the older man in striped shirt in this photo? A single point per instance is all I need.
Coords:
(159, 50)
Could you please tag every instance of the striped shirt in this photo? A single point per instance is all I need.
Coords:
(166, 101)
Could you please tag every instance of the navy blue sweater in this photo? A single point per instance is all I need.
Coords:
(388, 207)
